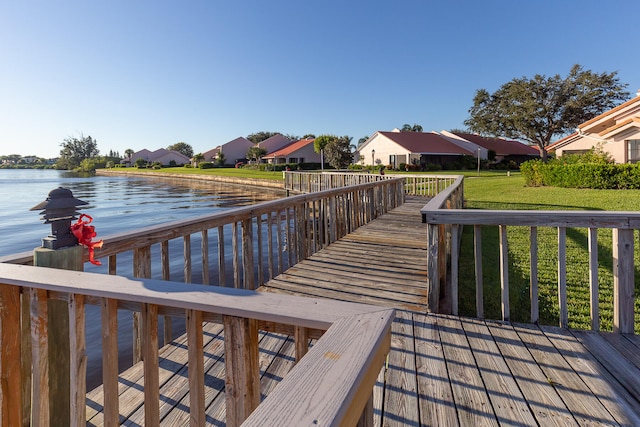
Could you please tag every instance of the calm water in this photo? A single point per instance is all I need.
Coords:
(116, 204)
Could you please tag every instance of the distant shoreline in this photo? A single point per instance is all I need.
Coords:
(230, 180)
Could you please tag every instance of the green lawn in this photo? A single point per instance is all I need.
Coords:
(233, 172)
(503, 192)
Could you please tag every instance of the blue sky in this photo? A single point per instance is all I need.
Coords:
(148, 74)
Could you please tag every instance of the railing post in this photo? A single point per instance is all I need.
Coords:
(623, 283)
(11, 404)
(69, 258)
(433, 277)
(242, 382)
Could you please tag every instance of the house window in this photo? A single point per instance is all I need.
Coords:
(392, 161)
(633, 150)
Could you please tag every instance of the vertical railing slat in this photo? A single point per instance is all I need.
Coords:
(186, 239)
(533, 274)
(504, 272)
(196, 368)
(477, 255)
(242, 380)
(151, 365)
(40, 357)
(623, 283)
(454, 269)
(248, 277)
(235, 254)
(78, 361)
(562, 277)
(109, 314)
(222, 278)
(142, 269)
(204, 248)
(593, 279)
(10, 357)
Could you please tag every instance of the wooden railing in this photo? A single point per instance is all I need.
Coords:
(444, 247)
(340, 387)
(417, 184)
(265, 240)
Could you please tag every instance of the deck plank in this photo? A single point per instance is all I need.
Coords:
(469, 392)
(437, 407)
(584, 406)
(507, 400)
(618, 401)
(401, 394)
(544, 401)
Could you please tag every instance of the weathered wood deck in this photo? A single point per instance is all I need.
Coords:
(442, 370)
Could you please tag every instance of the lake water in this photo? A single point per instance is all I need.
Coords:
(116, 204)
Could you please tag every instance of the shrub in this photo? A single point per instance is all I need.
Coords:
(206, 165)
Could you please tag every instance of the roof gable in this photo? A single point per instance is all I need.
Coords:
(609, 118)
(502, 147)
(424, 143)
(291, 148)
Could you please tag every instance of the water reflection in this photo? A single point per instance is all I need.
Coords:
(116, 203)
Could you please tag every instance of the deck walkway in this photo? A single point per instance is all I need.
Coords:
(442, 370)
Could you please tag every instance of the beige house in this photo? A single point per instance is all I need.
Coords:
(616, 131)
(234, 151)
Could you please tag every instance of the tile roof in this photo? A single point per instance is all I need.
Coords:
(425, 143)
(291, 148)
(500, 146)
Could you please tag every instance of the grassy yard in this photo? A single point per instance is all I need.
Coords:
(232, 172)
(502, 192)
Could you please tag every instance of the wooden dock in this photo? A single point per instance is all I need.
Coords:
(442, 370)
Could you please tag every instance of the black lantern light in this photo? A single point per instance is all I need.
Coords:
(59, 210)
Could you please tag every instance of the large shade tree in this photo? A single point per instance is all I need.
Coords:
(182, 148)
(336, 149)
(75, 150)
(540, 108)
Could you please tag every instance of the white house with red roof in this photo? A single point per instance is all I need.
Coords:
(301, 151)
(616, 131)
(440, 148)
(418, 148)
(504, 149)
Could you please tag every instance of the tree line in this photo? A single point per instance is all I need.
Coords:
(534, 110)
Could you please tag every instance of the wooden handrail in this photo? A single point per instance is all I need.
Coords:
(414, 184)
(357, 335)
(444, 211)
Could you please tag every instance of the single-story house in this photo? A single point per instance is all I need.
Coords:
(616, 131)
(504, 149)
(234, 151)
(163, 156)
(417, 148)
(301, 151)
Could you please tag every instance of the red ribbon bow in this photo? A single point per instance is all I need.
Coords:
(84, 233)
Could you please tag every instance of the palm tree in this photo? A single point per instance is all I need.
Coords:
(197, 158)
